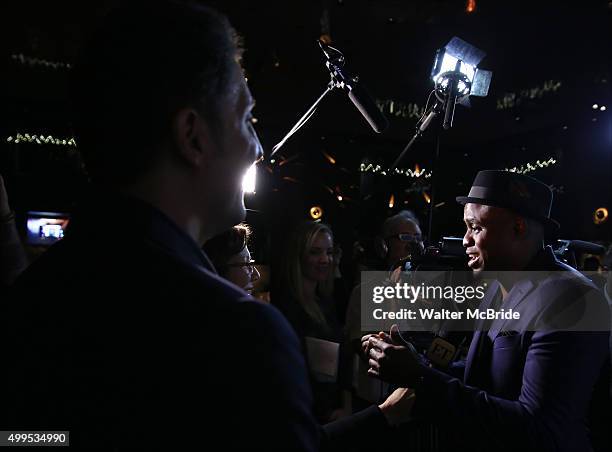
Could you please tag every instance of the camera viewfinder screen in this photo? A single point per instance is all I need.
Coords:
(46, 228)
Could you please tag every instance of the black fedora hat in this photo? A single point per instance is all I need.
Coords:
(522, 194)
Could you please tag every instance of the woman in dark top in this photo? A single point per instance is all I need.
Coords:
(303, 292)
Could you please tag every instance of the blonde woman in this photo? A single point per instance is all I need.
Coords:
(303, 292)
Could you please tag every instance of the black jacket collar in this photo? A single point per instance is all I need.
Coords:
(120, 218)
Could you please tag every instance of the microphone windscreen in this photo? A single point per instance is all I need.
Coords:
(368, 108)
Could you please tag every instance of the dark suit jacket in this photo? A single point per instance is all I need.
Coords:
(524, 389)
(123, 334)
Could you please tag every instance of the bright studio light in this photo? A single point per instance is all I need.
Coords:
(249, 180)
(449, 63)
(457, 62)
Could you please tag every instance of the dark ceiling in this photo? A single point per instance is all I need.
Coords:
(550, 63)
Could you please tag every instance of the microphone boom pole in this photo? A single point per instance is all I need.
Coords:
(356, 93)
(303, 119)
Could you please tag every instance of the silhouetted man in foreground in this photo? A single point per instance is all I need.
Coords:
(123, 333)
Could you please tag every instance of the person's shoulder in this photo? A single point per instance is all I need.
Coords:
(567, 300)
(238, 309)
(264, 320)
(560, 275)
(48, 267)
(78, 264)
(565, 278)
(558, 290)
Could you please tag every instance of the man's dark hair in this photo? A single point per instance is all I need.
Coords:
(146, 62)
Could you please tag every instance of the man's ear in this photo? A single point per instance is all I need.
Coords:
(192, 137)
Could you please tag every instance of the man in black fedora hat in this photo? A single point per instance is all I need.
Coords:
(513, 206)
(524, 384)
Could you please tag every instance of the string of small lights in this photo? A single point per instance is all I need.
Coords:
(400, 109)
(529, 167)
(363, 168)
(511, 100)
(377, 169)
(40, 139)
(33, 62)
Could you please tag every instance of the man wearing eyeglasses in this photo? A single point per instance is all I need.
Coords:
(401, 239)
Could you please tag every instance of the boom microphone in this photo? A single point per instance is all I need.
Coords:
(356, 92)
(368, 108)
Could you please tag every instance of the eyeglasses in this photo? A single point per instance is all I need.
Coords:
(250, 265)
(407, 237)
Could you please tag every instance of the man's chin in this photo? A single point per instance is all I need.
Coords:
(478, 272)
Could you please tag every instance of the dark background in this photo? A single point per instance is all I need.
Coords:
(553, 57)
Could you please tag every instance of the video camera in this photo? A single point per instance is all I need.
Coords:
(568, 250)
(447, 255)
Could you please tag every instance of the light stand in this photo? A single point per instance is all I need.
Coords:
(456, 77)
